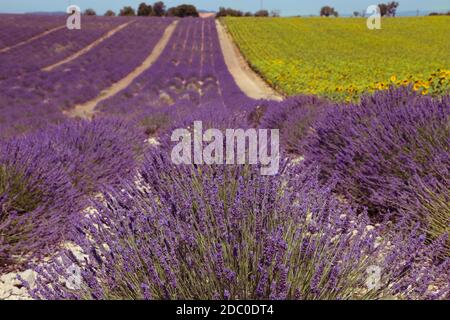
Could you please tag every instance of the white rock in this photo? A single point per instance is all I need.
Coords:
(29, 276)
(76, 250)
(309, 217)
(298, 160)
(4, 294)
(153, 141)
(19, 297)
(10, 279)
(378, 242)
(19, 291)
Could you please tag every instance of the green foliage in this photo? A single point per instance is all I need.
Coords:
(89, 12)
(262, 13)
(144, 10)
(328, 11)
(159, 9)
(127, 11)
(184, 10)
(388, 9)
(110, 13)
(229, 12)
(21, 196)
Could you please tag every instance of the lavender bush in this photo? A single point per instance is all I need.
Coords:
(390, 154)
(43, 175)
(225, 232)
(294, 118)
(97, 153)
(37, 200)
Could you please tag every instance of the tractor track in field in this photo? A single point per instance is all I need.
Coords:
(38, 36)
(87, 48)
(247, 80)
(86, 110)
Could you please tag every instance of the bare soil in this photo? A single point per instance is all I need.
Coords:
(87, 48)
(43, 34)
(86, 110)
(248, 81)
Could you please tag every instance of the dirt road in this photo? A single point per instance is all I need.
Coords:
(249, 82)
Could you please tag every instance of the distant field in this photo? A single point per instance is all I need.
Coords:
(341, 58)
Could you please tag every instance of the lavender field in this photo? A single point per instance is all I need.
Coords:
(92, 205)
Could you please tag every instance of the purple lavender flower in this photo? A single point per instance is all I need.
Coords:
(390, 154)
(166, 232)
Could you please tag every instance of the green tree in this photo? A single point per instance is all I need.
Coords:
(89, 12)
(144, 10)
(392, 8)
(110, 13)
(328, 11)
(388, 9)
(159, 9)
(184, 10)
(262, 13)
(229, 12)
(127, 11)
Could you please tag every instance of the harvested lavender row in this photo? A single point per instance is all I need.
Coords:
(234, 98)
(190, 75)
(17, 28)
(53, 47)
(178, 74)
(40, 93)
(92, 72)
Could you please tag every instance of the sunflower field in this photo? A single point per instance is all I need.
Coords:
(340, 58)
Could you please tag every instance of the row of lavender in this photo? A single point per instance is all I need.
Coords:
(32, 100)
(189, 81)
(54, 47)
(168, 232)
(17, 28)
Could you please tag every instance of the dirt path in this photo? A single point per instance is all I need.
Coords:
(249, 82)
(86, 110)
(43, 34)
(88, 48)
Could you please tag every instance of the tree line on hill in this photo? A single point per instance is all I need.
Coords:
(229, 12)
(389, 9)
(440, 14)
(158, 9)
(386, 9)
